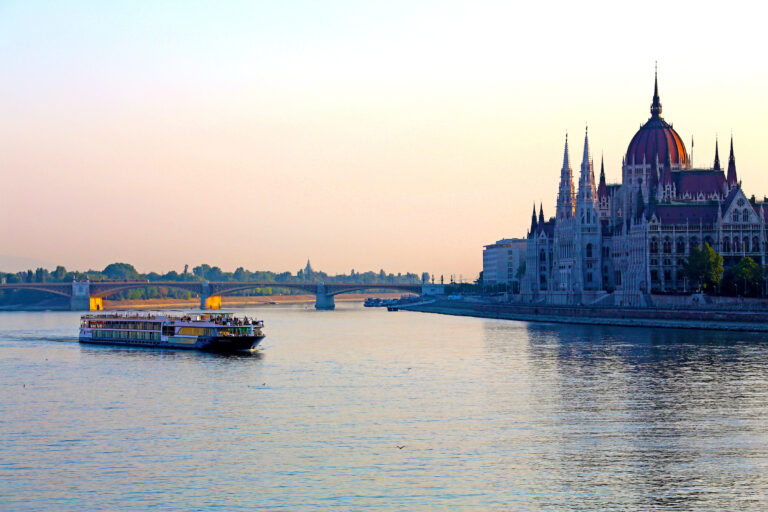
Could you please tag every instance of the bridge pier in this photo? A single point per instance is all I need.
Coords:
(81, 299)
(323, 300)
(208, 301)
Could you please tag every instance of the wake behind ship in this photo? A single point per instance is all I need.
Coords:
(210, 332)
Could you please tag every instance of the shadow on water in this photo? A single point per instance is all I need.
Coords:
(671, 415)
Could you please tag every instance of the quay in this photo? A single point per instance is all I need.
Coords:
(676, 318)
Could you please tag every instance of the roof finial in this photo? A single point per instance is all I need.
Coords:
(656, 105)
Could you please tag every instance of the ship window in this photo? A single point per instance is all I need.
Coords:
(168, 330)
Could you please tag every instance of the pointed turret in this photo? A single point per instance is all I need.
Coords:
(717, 158)
(587, 190)
(541, 214)
(533, 222)
(602, 188)
(656, 105)
(731, 177)
(666, 175)
(566, 194)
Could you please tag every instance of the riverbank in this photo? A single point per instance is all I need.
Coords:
(651, 317)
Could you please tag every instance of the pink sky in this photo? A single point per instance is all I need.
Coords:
(398, 136)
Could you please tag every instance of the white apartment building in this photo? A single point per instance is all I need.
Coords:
(501, 261)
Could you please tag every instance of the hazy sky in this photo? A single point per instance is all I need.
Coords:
(365, 135)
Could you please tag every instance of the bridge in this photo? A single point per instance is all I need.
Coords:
(89, 295)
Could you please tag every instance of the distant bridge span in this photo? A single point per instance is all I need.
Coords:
(88, 295)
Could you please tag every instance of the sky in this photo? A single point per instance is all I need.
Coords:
(361, 135)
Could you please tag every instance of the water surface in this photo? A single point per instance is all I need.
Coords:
(491, 415)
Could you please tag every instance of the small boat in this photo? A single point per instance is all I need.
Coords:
(206, 331)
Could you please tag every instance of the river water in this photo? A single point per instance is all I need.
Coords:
(490, 415)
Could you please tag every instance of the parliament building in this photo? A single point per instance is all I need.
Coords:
(615, 244)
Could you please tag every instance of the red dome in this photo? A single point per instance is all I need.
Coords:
(655, 138)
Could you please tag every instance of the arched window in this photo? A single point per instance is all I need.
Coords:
(726, 244)
(654, 245)
(694, 242)
(736, 244)
(589, 250)
(543, 255)
(680, 245)
(745, 244)
(755, 244)
(708, 240)
(735, 216)
(745, 216)
(666, 246)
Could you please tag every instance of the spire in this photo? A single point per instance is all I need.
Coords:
(731, 178)
(717, 158)
(656, 105)
(533, 222)
(585, 159)
(666, 176)
(541, 213)
(587, 190)
(602, 188)
(566, 194)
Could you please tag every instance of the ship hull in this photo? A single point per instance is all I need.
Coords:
(217, 344)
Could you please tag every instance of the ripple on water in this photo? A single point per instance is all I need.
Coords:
(489, 415)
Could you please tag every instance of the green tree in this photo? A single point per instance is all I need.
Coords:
(744, 278)
(704, 267)
(120, 271)
(59, 274)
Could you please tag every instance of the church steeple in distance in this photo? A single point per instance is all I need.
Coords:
(533, 221)
(566, 194)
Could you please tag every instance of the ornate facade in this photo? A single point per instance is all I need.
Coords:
(618, 243)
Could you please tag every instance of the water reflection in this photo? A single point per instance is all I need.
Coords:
(641, 415)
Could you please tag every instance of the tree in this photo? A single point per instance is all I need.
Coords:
(520, 272)
(744, 278)
(59, 274)
(120, 271)
(704, 267)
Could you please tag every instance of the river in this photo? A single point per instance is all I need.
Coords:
(361, 409)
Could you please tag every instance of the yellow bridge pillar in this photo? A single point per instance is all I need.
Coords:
(212, 302)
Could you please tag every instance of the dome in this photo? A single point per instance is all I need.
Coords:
(655, 138)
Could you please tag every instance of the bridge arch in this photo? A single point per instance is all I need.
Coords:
(101, 293)
(363, 287)
(312, 289)
(41, 288)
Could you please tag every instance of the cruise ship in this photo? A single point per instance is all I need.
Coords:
(210, 332)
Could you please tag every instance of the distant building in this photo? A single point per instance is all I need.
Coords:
(501, 261)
